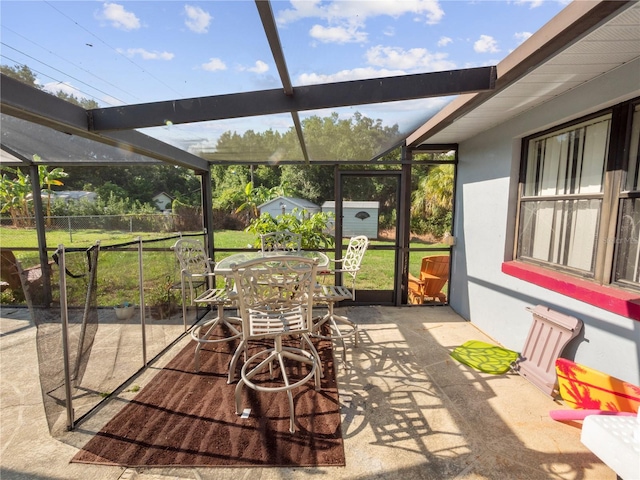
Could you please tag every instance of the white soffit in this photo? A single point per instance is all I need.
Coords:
(608, 47)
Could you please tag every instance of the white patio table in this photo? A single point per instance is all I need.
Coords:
(224, 266)
(225, 269)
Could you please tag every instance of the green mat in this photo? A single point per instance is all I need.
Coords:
(485, 357)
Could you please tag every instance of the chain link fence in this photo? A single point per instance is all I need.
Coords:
(121, 223)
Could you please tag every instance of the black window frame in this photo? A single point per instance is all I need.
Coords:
(613, 195)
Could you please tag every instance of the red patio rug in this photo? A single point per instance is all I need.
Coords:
(182, 418)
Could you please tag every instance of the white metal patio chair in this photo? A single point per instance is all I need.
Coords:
(275, 299)
(196, 269)
(339, 326)
(284, 241)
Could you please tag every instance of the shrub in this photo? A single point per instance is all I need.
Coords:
(312, 228)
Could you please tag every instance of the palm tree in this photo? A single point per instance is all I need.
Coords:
(50, 178)
(434, 191)
(13, 195)
(252, 199)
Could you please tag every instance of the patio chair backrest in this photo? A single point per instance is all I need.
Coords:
(191, 256)
(196, 268)
(355, 253)
(284, 241)
(434, 272)
(275, 294)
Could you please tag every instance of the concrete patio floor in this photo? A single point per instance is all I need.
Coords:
(409, 411)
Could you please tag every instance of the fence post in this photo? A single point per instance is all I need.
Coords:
(130, 225)
(65, 336)
(70, 233)
(143, 307)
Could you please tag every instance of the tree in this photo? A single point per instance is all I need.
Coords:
(50, 178)
(435, 190)
(21, 73)
(432, 201)
(85, 103)
(14, 191)
(26, 75)
(252, 199)
(328, 138)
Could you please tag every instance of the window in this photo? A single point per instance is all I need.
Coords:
(579, 209)
(627, 265)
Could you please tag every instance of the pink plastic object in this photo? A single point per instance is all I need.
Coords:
(568, 415)
(549, 334)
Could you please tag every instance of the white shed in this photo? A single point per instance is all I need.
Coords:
(359, 218)
(163, 201)
(279, 205)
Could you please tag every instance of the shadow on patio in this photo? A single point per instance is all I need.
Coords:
(408, 411)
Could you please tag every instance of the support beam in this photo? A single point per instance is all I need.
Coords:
(27, 103)
(271, 30)
(47, 294)
(309, 97)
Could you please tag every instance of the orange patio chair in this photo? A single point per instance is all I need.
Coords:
(434, 274)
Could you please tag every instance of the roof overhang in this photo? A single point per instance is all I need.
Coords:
(549, 63)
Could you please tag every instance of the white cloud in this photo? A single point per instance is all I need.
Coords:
(346, 19)
(198, 20)
(349, 10)
(412, 59)
(213, 65)
(522, 36)
(119, 17)
(444, 41)
(66, 87)
(145, 54)
(260, 67)
(531, 3)
(347, 75)
(348, 34)
(389, 32)
(486, 44)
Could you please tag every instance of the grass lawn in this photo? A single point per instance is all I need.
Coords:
(118, 273)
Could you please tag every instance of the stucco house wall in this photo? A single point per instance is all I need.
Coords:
(485, 206)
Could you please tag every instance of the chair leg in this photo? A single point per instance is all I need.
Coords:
(242, 349)
(278, 354)
(292, 420)
(335, 321)
(305, 339)
(211, 325)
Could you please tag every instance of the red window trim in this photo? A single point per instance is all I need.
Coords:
(611, 299)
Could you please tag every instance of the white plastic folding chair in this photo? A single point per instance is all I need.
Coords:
(196, 269)
(284, 241)
(275, 299)
(339, 326)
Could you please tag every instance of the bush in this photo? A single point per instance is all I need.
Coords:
(312, 228)
(113, 205)
(387, 220)
(437, 224)
(224, 220)
(186, 218)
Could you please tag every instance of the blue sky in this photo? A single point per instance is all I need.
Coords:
(126, 52)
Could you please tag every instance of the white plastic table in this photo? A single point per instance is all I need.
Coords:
(616, 441)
